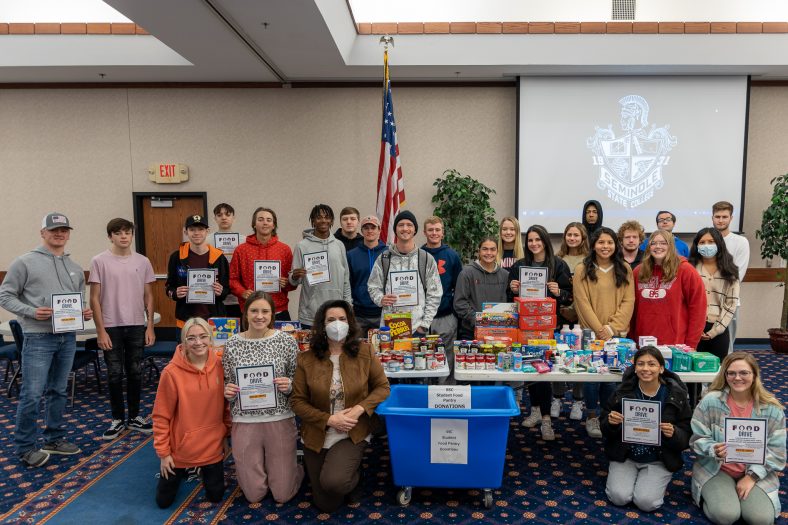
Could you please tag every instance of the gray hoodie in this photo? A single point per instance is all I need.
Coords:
(30, 282)
(312, 296)
(421, 314)
(475, 286)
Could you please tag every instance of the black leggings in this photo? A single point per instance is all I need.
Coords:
(541, 396)
(212, 479)
(717, 346)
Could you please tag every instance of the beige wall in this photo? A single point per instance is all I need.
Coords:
(83, 152)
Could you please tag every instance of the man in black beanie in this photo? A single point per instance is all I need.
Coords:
(405, 261)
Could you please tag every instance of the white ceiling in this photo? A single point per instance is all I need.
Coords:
(315, 40)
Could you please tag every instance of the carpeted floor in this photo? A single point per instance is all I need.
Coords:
(544, 482)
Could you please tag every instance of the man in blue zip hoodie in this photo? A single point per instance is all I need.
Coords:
(361, 260)
(27, 292)
(449, 268)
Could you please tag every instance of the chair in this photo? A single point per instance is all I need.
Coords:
(160, 349)
(86, 354)
(19, 341)
(8, 353)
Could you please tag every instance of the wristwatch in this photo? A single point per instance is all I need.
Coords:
(753, 475)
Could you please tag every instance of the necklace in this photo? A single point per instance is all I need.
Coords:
(646, 396)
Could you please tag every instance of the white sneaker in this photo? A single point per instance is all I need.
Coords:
(592, 427)
(547, 430)
(555, 407)
(534, 419)
(577, 410)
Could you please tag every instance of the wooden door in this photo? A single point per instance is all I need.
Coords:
(160, 219)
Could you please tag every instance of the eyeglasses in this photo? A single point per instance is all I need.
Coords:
(664, 219)
(204, 338)
(658, 243)
(744, 374)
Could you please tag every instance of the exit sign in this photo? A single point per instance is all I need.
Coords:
(168, 173)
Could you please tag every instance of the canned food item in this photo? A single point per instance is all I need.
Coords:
(470, 362)
(432, 363)
(407, 361)
(459, 361)
(395, 366)
(385, 359)
(420, 361)
(489, 360)
(441, 358)
(499, 347)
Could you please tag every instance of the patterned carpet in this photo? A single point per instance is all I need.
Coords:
(544, 482)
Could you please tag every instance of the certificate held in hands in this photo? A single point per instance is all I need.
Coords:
(405, 285)
(67, 313)
(258, 390)
(266, 276)
(745, 440)
(641, 422)
(317, 268)
(200, 284)
(533, 282)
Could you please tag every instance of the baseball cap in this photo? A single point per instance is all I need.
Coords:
(369, 219)
(196, 220)
(54, 221)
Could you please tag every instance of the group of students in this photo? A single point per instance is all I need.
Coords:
(335, 387)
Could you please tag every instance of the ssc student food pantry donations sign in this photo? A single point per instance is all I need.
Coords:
(449, 437)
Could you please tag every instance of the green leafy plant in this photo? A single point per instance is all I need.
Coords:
(774, 234)
(464, 205)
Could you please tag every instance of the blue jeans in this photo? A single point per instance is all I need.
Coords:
(596, 393)
(46, 363)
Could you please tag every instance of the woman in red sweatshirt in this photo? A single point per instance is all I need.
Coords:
(191, 420)
(262, 245)
(670, 299)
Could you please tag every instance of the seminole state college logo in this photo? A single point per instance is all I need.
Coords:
(630, 166)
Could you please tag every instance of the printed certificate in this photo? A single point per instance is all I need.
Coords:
(745, 439)
(258, 390)
(266, 276)
(405, 285)
(317, 267)
(641, 422)
(533, 282)
(67, 313)
(227, 242)
(200, 284)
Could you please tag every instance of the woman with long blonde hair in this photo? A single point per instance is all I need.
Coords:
(726, 491)
(510, 242)
(670, 298)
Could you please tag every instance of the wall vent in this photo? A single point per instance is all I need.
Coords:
(623, 10)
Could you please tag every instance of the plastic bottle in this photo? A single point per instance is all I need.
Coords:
(564, 332)
(578, 333)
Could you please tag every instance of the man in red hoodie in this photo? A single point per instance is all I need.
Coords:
(262, 246)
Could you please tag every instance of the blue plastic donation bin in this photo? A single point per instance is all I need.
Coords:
(408, 422)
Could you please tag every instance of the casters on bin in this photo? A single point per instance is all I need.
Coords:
(488, 499)
(404, 495)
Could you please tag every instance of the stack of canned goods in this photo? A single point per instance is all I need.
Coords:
(424, 354)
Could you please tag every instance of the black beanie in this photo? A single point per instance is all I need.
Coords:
(407, 215)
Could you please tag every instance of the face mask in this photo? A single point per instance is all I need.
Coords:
(337, 330)
(707, 250)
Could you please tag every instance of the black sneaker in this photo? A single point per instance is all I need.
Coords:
(115, 429)
(35, 458)
(62, 447)
(140, 425)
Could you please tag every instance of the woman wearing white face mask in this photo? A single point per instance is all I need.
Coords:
(720, 275)
(338, 384)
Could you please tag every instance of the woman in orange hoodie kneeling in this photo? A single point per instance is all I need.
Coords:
(191, 420)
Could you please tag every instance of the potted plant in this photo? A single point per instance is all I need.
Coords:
(464, 205)
(774, 242)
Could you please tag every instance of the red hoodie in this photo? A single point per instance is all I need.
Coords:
(674, 312)
(242, 267)
(190, 416)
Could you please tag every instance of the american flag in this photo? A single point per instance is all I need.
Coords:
(391, 189)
